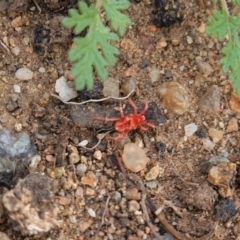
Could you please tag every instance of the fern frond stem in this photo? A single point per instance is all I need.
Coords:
(225, 7)
(98, 4)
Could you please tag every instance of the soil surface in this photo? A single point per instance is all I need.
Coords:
(97, 196)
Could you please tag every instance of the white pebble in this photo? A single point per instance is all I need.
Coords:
(208, 144)
(34, 161)
(83, 143)
(15, 51)
(154, 75)
(190, 129)
(189, 40)
(65, 92)
(91, 212)
(42, 70)
(24, 74)
(98, 154)
(18, 127)
(16, 88)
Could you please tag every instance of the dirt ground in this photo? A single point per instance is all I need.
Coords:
(98, 197)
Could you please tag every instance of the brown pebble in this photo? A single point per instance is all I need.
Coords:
(232, 125)
(132, 194)
(64, 201)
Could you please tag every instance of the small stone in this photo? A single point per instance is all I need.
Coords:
(175, 97)
(91, 212)
(201, 132)
(117, 196)
(152, 184)
(215, 134)
(16, 88)
(18, 127)
(84, 225)
(79, 192)
(3, 236)
(73, 219)
(223, 176)
(56, 172)
(154, 75)
(25, 40)
(153, 173)
(190, 129)
(98, 154)
(210, 101)
(189, 40)
(168, 73)
(74, 155)
(42, 70)
(201, 28)
(66, 92)
(24, 74)
(235, 102)
(17, 22)
(81, 169)
(34, 161)
(208, 144)
(111, 88)
(232, 125)
(160, 146)
(133, 206)
(132, 194)
(161, 44)
(205, 68)
(15, 51)
(202, 197)
(134, 157)
(50, 158)
(90, 192)
(225, 210)
(199, 80)
(83, 143)
(128, 85)
(90, 179)
(64, 201)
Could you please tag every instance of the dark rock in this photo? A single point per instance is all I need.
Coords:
(225, 210)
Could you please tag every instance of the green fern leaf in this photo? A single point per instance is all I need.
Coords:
(80, 21)
(217, 24)
(94, 51)
(237, 2)
(118, 21)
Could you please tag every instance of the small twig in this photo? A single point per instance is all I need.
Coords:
(38, 7)
(99, 141)
(103, 216)
(94, 100)
(4, 47)
(149, 223)
(143, 205)
(169, 204)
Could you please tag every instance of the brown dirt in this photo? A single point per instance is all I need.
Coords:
(44, 43)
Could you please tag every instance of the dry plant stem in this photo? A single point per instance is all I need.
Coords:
(103, 217)
(144, 209)
(4, 47)
(143, 205)
(94, 100)
(169, 204)
(38, 7)
(99, 141)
